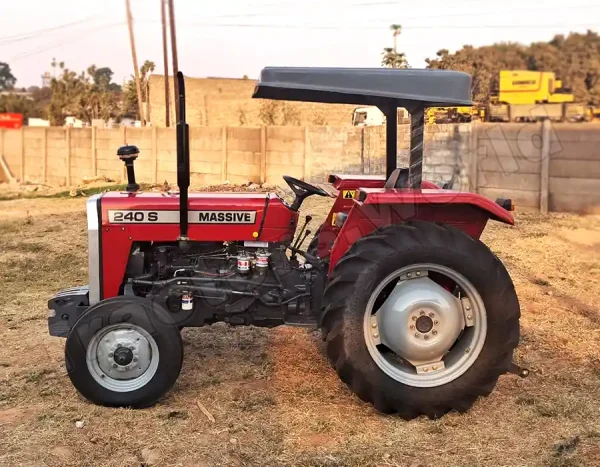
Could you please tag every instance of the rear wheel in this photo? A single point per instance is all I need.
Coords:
(420, 319)
(124, 352)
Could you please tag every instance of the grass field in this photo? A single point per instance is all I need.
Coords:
(273, 396)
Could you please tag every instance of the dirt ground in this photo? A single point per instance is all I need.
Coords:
(271, 393)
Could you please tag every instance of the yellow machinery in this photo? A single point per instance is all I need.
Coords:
(530, 96)
(451, 114)
(531, 87)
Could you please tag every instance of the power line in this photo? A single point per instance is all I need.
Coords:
(33, 34)
(379, 28)
(63, 42)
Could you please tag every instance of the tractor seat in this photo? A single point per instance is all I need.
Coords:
(398, 179)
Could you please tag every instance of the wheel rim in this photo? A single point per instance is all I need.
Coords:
(423, 335)
(122, 357)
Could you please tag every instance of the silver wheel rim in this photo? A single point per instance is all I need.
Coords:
(122, 357)
(422, 335)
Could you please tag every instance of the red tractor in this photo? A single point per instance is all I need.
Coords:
(418, 315)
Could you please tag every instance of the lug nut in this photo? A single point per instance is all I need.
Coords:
(131, 347)
(412, 326)
(431, 315)
(469, 317)
(468, 307)
(434, 367)
(119, 345)
(426, 337)
(376, 335)
(135, 359)
(434, 332)
(436, 322)
(417, 334)
(421, 312)
(409, 275)
(414, 318)
(110, 354)
(418, 273)
(467, 350)
(114, 365)
(374, 325)
(425, 370)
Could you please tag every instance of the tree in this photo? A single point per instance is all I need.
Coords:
(575, 59)
(7, 79)
(390, 57)
(130, 100)
(86, 96)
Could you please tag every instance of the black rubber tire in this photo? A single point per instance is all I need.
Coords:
(136, 310)
(373, 258)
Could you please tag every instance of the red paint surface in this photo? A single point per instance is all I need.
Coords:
(465, 211)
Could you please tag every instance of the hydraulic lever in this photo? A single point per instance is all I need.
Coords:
(299, 240)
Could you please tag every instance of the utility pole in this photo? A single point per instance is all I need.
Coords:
(163, 17)
(135, 63)
(174, 54)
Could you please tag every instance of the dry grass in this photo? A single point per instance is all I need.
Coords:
(274, 398)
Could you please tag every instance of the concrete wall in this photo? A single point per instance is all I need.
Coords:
(218, 102)
(547, 167)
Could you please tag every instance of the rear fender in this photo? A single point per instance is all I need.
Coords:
(347, 187)
(375, 208)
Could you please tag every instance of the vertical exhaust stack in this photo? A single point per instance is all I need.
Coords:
(183, 162)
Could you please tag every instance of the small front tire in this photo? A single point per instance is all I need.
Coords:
(124, 352)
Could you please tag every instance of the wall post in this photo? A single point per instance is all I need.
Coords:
(224, 133)
(68, 138)
(307, 155)
(22, 154)
(263, 154)
(471, 185)
(45, 154)
(124, 168)
(154, 155)
(94, 153)
(545, 172)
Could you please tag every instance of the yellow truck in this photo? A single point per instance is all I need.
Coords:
(525, 95)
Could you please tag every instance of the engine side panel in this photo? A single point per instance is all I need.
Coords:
(154, 217)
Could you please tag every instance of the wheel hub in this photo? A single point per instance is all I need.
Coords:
(423, 335)
(122, 357)
(424, 324)
(420, 320)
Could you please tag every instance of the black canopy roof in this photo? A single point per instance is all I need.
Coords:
(366, 86)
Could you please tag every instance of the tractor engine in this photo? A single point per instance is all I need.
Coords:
(237, 282)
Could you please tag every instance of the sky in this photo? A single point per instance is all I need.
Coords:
(232, 38)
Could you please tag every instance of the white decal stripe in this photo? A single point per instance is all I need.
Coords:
(172, 217)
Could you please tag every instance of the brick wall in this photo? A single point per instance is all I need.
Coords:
(220, 102)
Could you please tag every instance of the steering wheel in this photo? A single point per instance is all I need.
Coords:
(302, 190)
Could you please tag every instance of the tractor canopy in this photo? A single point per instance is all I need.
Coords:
(382, 87)
(385, 88)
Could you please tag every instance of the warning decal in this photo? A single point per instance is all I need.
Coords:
(348, 194)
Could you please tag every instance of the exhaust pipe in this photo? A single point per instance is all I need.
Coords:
(183, 163)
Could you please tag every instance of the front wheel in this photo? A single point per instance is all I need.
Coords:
(124, 352)
(420, 319)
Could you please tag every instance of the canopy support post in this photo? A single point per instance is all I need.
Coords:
(391, 139)
(417, 128)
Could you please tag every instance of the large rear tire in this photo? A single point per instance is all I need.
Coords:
(124, 352)
(396, 326)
